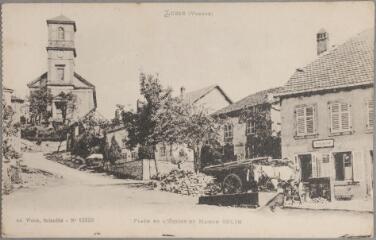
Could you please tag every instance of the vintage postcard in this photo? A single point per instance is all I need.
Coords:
(221, 120)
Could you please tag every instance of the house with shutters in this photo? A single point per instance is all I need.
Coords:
(61, 77)
(252, 135)
(327, 112)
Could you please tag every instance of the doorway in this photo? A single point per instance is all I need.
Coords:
(305, 166)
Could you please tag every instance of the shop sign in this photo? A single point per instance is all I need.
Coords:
(325, 143)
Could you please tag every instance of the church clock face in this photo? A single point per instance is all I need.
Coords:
(60, 54)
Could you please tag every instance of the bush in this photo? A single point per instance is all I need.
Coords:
(86, 144)
(40, 133)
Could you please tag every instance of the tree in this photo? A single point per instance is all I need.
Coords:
(40, 100)
(92, 139)
(114, 150)
(179, 122)
(264, 141)
(141, 125)
(66, 103)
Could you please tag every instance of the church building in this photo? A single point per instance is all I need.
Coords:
(61, 79)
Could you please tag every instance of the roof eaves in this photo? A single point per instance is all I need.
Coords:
(318, 90)
(36, 80)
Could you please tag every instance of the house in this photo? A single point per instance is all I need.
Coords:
(7, 96)
(61, 77)
(11, 138)
(245, 121)
(327, 112)
(21, 109)
(115, 135)
(212, 98)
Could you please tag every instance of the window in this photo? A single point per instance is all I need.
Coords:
(60, 33)
(60, 73)
(124, 155)
(228, 133)
(250, 127)
(370, 114)
(343, 166)
(305, 120)
(162, 151)
(134, 155)
(340, 117)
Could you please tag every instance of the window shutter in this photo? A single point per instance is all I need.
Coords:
(335, 121)
(358, 166)
(314, 166)
(345, 116)
(310, 116)
(300, 121)
(370, 114)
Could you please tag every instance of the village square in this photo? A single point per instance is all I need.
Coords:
(176, 157)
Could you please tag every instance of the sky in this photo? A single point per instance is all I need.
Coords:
(242, 47)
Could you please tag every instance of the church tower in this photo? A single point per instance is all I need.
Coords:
(72, 95)
(61, 51)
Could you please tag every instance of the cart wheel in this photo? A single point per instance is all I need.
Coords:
(232, 184)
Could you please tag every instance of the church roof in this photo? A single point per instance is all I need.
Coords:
(83, 83)
(86, 83)
(32, 84)
(62, 20)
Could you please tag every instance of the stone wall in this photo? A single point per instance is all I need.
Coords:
(131, 169)
(164, 167)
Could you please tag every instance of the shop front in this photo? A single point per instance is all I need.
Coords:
(343, 173)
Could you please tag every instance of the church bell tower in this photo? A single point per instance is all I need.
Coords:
(61, 51)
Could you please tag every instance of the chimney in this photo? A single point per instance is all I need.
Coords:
(182, 91)
(322, 38)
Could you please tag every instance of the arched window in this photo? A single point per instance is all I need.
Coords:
(60, 33)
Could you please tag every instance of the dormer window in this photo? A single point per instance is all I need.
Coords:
(60, 33)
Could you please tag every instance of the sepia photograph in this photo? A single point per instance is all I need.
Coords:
(187, 120)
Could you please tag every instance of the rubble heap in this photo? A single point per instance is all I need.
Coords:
(188, 183)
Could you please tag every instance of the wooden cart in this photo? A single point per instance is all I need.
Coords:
(235, 176)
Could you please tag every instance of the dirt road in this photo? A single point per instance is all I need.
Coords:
(96, 205)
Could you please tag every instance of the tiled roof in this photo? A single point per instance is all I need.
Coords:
(31, 83)
(7, 89)
(251, 100)
(349, 64)
(17, 99)
(196, 95)
(44, 76)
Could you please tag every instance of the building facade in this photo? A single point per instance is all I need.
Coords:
(327, 115)
(61, 77)
(115, 136)
(240, 132)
